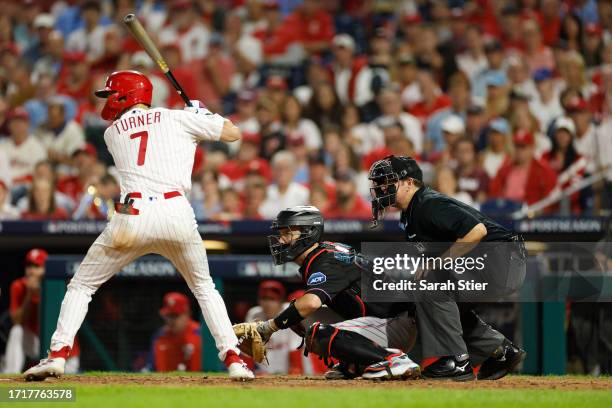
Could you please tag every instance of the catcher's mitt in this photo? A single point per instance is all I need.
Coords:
(250, 341)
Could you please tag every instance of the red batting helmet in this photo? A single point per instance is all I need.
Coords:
(124, 89)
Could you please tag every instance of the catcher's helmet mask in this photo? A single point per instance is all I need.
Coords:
(305, 219)
(384, 176)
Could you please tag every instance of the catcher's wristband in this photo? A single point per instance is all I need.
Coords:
(288, 317)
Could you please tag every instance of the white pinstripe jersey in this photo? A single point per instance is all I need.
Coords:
(154, 148)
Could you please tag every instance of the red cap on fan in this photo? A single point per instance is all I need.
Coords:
(36, 257)
(74, 57)
(271, 289)
(523, 138)
(18, 113)
(593, 29)
(251, 137)
(175, 303)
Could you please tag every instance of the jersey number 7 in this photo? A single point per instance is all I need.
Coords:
(142, 149)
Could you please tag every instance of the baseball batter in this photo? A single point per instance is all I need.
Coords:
(153, 150)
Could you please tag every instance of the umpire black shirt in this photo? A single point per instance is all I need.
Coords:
(434, 217)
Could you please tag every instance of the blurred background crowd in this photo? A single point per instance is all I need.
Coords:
(503, 102)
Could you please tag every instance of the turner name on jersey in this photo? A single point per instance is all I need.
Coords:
(154, 149)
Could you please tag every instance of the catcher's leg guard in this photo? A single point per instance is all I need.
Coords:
(346, 346)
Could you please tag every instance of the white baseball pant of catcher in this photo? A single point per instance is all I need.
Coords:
(166, 227)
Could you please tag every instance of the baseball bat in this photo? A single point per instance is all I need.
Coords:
(145, 41)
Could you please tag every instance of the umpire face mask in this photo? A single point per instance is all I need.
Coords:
(384, 182)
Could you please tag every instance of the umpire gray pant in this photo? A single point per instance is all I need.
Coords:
(449, 328)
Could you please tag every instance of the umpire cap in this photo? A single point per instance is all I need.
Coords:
(406, 167)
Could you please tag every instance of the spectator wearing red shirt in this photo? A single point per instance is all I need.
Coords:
(349, 204)
(75, 79)
(184, 27)
(23, 339)
(41, 202)
(182, 72)
(264, 21)
(433, 98)
(318, 176)
(84, 161)
(247, 160)
(213, 74)
(309, 25)
(177, 346)
(511, 29)
(550, 21)
(523, 179)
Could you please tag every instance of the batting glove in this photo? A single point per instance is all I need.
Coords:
(197, 107)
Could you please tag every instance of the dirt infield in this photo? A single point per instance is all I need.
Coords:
(177, 380)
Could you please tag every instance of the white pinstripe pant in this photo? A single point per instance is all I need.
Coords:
(165, 227)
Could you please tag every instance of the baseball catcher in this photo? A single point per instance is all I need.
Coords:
(354, 337)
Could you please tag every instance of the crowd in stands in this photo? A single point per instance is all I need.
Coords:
(503, 102)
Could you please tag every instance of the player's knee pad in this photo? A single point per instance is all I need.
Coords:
(328, 342)
(318, 339)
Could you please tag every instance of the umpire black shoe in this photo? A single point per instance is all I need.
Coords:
(503, 361)
(456, 368)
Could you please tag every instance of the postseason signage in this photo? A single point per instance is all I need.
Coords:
(558, 225)
(153, 266)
